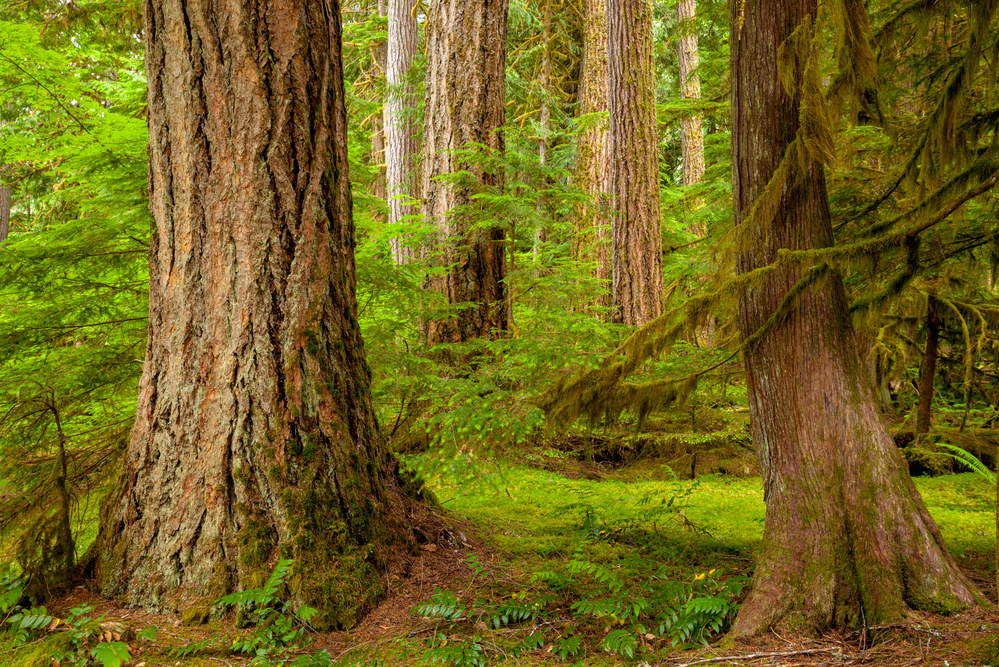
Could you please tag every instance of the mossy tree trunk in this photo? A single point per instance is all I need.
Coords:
(928, 369)
(592, 238)
(466, 74)
(634, 170)
(847, 539)
(255, 436)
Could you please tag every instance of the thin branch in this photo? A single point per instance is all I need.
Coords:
(757, 656)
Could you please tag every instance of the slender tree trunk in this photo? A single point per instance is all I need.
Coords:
(466, 70)
(691, 132)
(592, 239)
(634, 174)
(5, 201)
(928, 370)
(254, 436)
(400, 136)
(847, 539)
(544, 122)
(378, 186)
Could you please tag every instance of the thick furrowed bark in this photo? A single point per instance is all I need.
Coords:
(466, 69)
(847, 539)
(637, 284)
(255, 436)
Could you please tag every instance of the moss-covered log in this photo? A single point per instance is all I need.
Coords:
(255, 436)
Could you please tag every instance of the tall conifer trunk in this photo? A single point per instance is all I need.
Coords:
(255, 436)
(847, 539)
(400, 135)
(5, 202)
(466, 72)
(691, 132)
(634, 154)
(928, 369)
(592, 239)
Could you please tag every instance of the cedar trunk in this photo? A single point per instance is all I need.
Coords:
(928, 370)
(847, 539)
(592, 239)
(255, 436)
(466, 70)
(634, 173)
(400, 137)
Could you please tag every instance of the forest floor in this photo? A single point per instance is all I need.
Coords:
(545, 529)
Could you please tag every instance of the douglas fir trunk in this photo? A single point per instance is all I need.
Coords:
(847, 540)
(466, 70)
(592, 239)
(255, 436)
(634, 154)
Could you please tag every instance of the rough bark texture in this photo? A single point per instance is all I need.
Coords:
(400, 110)
(928, 369)
(592, 240)
(634, 172)
(255, 435)
(847, 539)
(466, 70)
(691, 132)
(5, 201)
(378, 185)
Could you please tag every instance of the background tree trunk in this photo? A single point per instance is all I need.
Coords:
(928, 369)
(255, 435)
(378, 185)
(5, 201)
(400, 138)
(691, 132)
(847, 539)
(634, 173)
(466, 71)
(592, 239)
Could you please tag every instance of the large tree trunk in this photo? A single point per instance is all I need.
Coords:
(847, 539)
(928, 369)
(592, 240)
(466, 70)
(691, 132)
(255, 435)
(634, 174)
(400, 112)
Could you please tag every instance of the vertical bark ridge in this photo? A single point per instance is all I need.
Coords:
(634, 153)
(255, 436)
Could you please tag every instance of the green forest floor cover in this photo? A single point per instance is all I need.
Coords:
(537, 568)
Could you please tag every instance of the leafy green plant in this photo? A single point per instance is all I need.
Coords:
(277, 628)
(969, 460)
(79, 629)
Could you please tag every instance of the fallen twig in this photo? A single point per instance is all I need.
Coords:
(757, 656)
